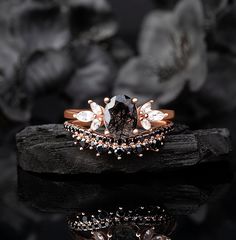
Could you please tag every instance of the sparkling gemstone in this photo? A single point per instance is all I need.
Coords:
(102, 215)
(110, 150)
(99, 148)
(141, 211)
(129, 149)
(120, 116)
(85, 116)
(120, 213)
(146, 107)
(155, 115)
(160, 237)
(95, 124)
(156, 144)
(97, 109)
(139, 149)
(84, 219)
(119, 151)
(83, 143)
(146, 124)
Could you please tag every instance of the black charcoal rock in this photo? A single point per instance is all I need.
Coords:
(50, 149)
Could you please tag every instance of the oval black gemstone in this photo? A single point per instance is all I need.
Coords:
(156, 144)
(119, 151)
(120, 116)
(129, 149)
(120, 212)
(110, 149)
(139, 149)
(83, 143)
(100, 148)
(102, 215)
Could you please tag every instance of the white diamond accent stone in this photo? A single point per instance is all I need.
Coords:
(98, 236)
(146, 107)
(160, 237)
(95, 124)
(155, 115)
(148, 234)
(146, 124)
(97, 109)
(85, 116)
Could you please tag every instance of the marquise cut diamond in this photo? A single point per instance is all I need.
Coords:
(146, 107)
(146, 124)
(155, 115)
(85, 116)
(96, 123)
(149, 234)
(97, 109)
(98, 236)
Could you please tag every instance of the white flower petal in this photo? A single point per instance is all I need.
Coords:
(155, 115)
(97, 109)
(85, 116)
(146, 124)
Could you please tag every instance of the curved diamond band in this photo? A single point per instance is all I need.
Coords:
(120, 127)
(152, 222)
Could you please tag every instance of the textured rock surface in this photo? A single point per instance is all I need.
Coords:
(50, 149)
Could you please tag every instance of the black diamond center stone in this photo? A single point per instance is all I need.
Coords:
(120, 116)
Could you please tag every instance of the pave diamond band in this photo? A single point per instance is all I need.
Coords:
(120, 127)
(120, 147)
(152, 222)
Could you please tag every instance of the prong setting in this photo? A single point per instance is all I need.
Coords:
(145, 129)
(106, 132)
(135, 131)
(106, 100)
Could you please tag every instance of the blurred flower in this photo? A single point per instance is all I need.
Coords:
(36, 46)
(93, 77)
(224, 33)
(172, 55)
(213, 10)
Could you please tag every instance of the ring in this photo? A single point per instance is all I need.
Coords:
(120, 127)
(101, 224)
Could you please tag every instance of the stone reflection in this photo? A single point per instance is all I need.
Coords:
(144, 223)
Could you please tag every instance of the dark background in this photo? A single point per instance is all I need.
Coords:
(57, 54)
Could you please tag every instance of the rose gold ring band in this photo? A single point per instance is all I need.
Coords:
(70, 114)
